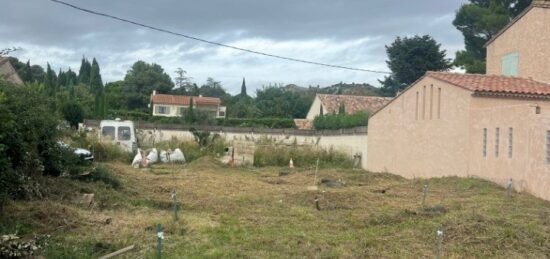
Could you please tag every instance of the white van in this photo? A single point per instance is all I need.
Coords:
(119, 132)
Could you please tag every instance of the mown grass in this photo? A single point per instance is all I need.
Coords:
(253, 212)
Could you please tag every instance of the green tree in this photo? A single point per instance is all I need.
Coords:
(479, 21)
(84, 72)
(38, 74)
(26, 72)
(342, 109)
(50, 81)
(410, 58)
(276, 101)
(212, 88)
(73, 113)
(96, 86)
(182, 82)
(141, 80)
(113, 95)
(190, 113)
(243, 88)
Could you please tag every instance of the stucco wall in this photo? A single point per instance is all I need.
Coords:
(350, 144)
(315, 109)
(530, 38)
(527, 166)
(405, 138)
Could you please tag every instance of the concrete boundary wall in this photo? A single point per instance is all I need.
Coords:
(349, 141)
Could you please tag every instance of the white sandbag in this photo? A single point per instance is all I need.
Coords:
(177, 156)
(152, 157)
(137, 159)
(163, 156)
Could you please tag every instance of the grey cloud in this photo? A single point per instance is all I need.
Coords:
(40, 24)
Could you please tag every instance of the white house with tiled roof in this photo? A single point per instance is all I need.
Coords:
(167, 105)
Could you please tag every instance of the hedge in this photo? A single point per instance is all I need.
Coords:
(341, 121)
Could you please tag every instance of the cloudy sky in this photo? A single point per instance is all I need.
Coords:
(341, 32)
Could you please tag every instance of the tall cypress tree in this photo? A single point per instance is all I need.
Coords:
(50, 81)
(26, 73)
(84, 72)
(96, 86)
(243, 88)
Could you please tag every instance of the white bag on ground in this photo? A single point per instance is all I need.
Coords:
(137, 159)
(152, 157)
(163, 156)
(177, 156)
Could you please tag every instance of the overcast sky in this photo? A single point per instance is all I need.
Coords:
(341, 32)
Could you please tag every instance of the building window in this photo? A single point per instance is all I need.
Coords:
(439, 103)
(485, 142)
(431, 101)
(509, 64)
(510, 141)
(416, 107)
(163, 109)
(221, 114)
(424, 103)
(108, 132)
(537, 110)
(497, 141)
(548, 146)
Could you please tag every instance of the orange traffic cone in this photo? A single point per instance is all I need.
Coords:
(291, 164)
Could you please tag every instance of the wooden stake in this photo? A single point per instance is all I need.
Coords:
(121, 251)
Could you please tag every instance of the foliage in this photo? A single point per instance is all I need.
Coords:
(410, 58)
(204, 138)
(181, 81)
(96, 87)
(301, 156)
(106, 151)
(141, 80)
(341, 121)
(73, 113)
(274, 101)
(212, 88)
(192, 150)
(273, 123)
(243, 88)
(479, 21)
(102, 173)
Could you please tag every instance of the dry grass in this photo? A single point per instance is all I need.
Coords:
(253, 212)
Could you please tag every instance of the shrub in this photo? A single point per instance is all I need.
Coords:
(301, 156)
(341, 121)
(192, 150)
(103, 174)
(105, 152)
(274, 123)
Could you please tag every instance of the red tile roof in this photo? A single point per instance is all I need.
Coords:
(352, 103)
(184, 100)
(493, 83)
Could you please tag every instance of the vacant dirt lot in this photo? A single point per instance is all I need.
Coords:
(254, 212)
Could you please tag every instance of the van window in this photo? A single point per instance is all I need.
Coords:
(108, 131)
(124, 133)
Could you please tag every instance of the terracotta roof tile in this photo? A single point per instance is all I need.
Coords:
(352, 103)
(8, 73)
(493, 83)
(184, 100)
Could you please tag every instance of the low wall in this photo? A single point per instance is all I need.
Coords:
(350, 141)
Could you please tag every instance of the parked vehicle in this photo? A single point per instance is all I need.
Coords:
(119, 132)
(84, 154)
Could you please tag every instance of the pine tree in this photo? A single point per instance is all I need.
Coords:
(85, 71)
(50, 81)
(190, 118)
(26, 73)
(243, 88)
(61, 79)
(342, 109)
(96, 87)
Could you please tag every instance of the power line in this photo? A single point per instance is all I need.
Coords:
(214, 43)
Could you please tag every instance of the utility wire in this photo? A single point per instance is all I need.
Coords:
(215, 43)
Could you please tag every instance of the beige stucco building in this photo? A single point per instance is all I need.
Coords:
(174, 105)
(523, 47)
(494, 127)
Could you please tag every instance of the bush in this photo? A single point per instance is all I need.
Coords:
(273, 123)
(28, 138)
(341, 121)
(192, 150)
(103, 174)
(301, 156)
(105, 152)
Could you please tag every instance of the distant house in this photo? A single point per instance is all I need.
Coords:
(8, 73)
(330, 104)
(494, 126)
(174, 105)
